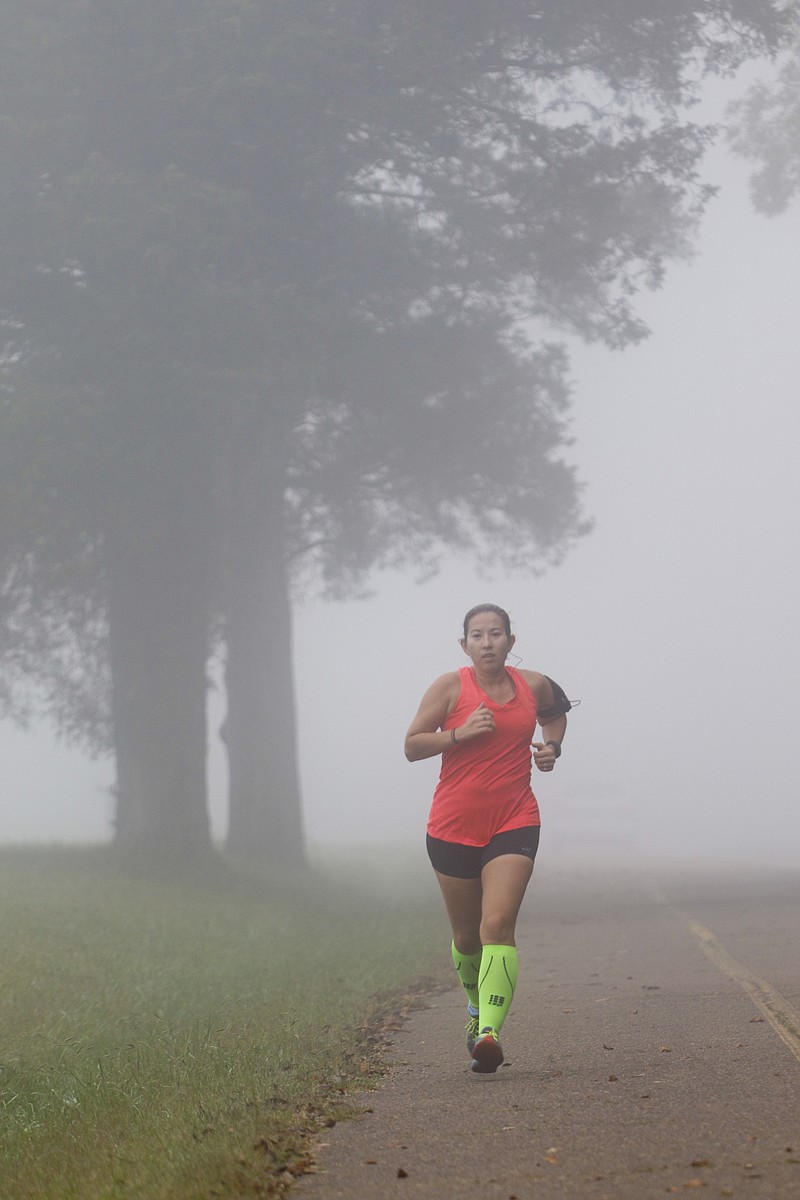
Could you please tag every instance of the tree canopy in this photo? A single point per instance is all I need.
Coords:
(766, 130)
(283, 287)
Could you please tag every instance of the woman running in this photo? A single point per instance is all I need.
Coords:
(483, 828)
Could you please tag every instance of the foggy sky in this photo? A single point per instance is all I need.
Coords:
(674, 622)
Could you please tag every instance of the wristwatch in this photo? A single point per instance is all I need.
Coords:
(556, 746)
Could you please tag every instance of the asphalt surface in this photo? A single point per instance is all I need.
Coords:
(653, 1048)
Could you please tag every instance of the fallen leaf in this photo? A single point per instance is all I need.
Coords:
(401, 1174)
(303, 1166)
(756, 1020)
(695, 1183)
(666, 1050)
(700, 1162)
(605, 1047)
(613, 1078)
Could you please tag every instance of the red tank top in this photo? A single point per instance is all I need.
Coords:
(485, 785)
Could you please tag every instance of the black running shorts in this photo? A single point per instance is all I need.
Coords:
(467, 862)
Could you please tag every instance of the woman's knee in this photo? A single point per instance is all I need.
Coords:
(467, 941)
(497, 929)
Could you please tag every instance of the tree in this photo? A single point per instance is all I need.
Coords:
(520, 168)
(271, 266)
(767, 131)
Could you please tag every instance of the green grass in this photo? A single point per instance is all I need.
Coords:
(176, 1039)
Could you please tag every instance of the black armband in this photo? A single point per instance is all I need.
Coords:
(561, 705)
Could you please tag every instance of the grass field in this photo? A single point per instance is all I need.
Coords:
(175, 1039)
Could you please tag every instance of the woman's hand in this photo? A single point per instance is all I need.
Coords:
(544, 755)
(477, 724)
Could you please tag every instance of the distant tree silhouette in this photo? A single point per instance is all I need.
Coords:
(280, 285)
(766, 130)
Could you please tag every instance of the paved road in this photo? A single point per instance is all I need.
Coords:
(653, 1049)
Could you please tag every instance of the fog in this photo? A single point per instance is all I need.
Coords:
(674, 621)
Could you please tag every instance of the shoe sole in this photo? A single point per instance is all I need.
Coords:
(486, 1056)
(472, 1036)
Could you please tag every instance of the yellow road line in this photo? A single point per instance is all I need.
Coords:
(781, 1014)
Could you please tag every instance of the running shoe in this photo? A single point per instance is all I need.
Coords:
(473, 1029)
(487, 1054)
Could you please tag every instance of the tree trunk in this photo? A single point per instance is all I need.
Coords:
(261, 734)
(158, 650)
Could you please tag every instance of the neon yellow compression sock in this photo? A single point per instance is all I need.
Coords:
(468, 967)
(498, 979)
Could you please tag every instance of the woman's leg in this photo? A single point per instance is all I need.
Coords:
(462, 898)
(504, 880)
(483, 914)
(458, 871)
(463, 901)
(503, 884)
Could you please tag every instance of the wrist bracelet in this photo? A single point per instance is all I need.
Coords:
(556, 746)
(453, 737)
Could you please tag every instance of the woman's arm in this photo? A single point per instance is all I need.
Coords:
(546, 752)
(426, 738)
(553, 723)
